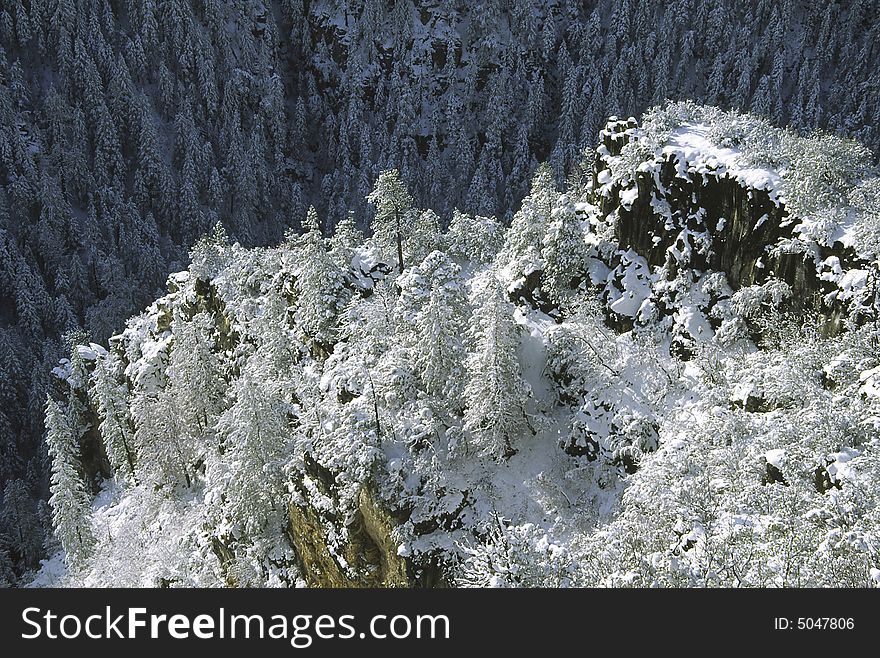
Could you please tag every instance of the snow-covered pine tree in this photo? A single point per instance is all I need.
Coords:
(423, 236)
(394, 209)
(521, 254)
(562, 250)
(320, 285)
(117, 431)
(7, 572)
(432, 311)
(495, 393)
(20, 517)
(165, 455)
(473, 239)
(71, 504)
(254, 432)
(346, 237)
(194, 374)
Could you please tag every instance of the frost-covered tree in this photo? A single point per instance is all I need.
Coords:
(521, 254)
(21, 520)
(495, 393)
(345, 239)
(394, 213)
(194, 373)
(165, 453)
(432, 310)
(71, 504)
(475, 239)
(563, 250)
(518, 556)
(254, 432)
(7, 572)
(320, 285)
(109, 397)
(423, 236)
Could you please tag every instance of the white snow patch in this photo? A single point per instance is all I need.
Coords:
(51, 573)
(366, 266)
(628, 197)
(695, 323)
(870, 383)
(597, 270)
(853, 283)
(533, 350)
(842, 468)
(634, 286)
(63, 370)
(691, 145)
(775, 457)
(91, 351)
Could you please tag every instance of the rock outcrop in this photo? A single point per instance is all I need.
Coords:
(356, 551)
(680, 216)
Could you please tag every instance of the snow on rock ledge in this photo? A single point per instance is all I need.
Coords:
(687, 194)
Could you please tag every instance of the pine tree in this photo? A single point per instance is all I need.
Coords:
(254, 431)
(762, 102)
(393, 218)
(7, 572)
(480, 196)
(495, 392)
(117, 432)
(109, 167)
(71, 504)
(521, 254)
(423, 236)
(473, 239)
(345, 239)
(432, 309)
(195, 375)
(165, 454)
(320, 286)
(562, 250)
(20, 517)
(191, 215)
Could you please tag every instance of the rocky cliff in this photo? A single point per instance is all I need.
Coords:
(688, 204)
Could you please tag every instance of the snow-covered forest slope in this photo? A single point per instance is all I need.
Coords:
(666, 375)
(128, 128)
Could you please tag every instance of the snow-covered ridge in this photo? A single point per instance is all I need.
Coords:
(692, 148)
(703, 190)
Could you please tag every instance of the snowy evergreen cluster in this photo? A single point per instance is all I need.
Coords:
(477, 383)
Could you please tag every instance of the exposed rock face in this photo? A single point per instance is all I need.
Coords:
(95, 464)
(713, 222)
(357, 551)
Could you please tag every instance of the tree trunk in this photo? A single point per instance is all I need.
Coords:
(399, 241)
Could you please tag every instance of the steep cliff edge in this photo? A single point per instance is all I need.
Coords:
(694, 191)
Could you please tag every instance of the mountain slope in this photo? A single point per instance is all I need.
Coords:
(602, 394)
